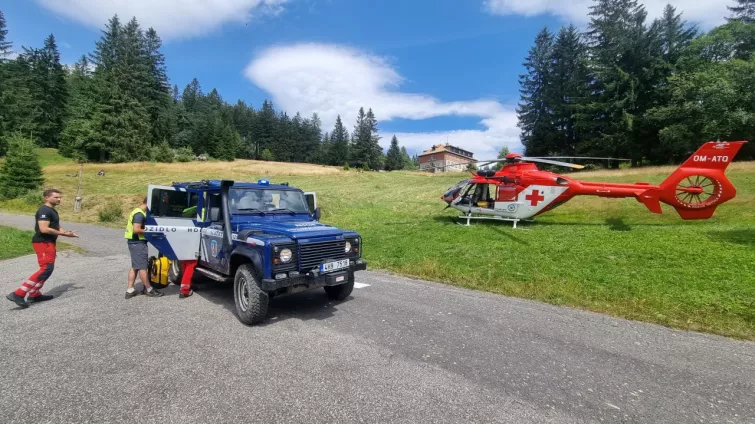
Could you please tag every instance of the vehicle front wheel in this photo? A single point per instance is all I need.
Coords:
(341, 291)
(251, 301)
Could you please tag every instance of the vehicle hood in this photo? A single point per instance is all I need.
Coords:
(293, 229)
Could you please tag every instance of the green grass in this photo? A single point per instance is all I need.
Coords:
(15, 243)
(49, 156)
(605, 255)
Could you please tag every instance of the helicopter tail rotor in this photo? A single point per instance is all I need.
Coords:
(699, 185)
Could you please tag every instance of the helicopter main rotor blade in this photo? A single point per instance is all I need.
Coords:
(573, 157)
(553, 162)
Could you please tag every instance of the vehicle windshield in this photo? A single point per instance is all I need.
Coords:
(253, 200)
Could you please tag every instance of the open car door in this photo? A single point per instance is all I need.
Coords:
(171, 226)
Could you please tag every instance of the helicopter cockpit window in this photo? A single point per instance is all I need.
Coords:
(454, 191)
(479, 195)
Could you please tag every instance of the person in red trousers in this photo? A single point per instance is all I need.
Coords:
(46, 231)
(186, 275)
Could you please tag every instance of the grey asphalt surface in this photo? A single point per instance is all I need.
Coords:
(399, 350)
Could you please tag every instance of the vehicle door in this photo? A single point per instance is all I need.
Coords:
(171, 227)
(211, 254)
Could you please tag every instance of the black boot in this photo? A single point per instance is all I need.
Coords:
(18, 300)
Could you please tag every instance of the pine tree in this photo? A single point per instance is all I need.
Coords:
(54, 96)
(568, 90)
(158, 94)
(78, 131)
(394, 160)
(621, 48)
(265, 129)
(533, 111)
(21, 171)
(339, 153)
(744, 11)
(5, 46)
(121, 120)
(18, 110)
(407, 162)
(367, 151)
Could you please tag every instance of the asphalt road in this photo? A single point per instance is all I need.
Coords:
(399, 350)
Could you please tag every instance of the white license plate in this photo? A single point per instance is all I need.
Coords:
(334, 266)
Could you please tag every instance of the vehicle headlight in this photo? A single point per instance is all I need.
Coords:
(347, 249)
(285, 255)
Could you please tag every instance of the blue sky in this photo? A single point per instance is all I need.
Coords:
(433, 71)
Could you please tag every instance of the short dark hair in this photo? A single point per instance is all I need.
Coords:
(47, 193)
(145, 200)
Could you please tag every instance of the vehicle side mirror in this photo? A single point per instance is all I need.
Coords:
(214, 214)
(317, 214)
(311, 199)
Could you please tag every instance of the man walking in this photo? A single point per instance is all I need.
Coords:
(46, 231)
(137, 247)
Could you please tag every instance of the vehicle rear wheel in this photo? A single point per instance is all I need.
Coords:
(251, 301)
(341, 291)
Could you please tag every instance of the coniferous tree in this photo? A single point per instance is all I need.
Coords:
(339, 153)
(52, 94)
(744, 11)
(534, 112)
(406, 160)
(21, 171)
(394, 160)
(568, 90)
(78, 131)
(5, 45)
(158, 91)
(619, 44)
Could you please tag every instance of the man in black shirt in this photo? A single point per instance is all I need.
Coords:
(46, 231)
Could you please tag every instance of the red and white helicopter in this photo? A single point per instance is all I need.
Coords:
(519, 190)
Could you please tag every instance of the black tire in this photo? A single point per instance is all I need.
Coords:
(175, 273)
(251, 301)
(341, 291)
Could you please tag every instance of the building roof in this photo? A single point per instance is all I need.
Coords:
(447, 148)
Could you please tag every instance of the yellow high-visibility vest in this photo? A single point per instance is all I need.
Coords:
(130, 225)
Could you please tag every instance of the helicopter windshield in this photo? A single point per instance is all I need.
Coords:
(454, 191)
(267, 201)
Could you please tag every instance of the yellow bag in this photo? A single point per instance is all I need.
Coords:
(158, 271)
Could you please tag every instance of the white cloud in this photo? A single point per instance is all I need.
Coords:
(171, 18)
(708, 13)
(333, 80)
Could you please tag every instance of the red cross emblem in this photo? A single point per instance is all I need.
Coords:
(535, 197)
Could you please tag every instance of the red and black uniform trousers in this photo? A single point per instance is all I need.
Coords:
(187, 274)
(46, 254)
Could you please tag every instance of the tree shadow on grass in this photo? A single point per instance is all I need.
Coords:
(743, 237)
(308, 305)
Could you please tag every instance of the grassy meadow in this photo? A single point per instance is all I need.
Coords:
(15, 243)
(605, 255)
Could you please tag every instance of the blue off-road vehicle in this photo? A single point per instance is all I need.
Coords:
(263, 237)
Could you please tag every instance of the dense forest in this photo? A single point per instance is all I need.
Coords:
(649, 91)
(116, 104)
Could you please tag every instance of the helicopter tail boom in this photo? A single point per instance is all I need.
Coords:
(695, 189)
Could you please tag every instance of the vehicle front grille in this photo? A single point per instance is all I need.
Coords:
(312, 254)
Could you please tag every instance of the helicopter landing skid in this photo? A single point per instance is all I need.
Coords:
(490, 218)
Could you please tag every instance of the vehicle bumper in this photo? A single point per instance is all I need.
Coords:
(314, 278)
